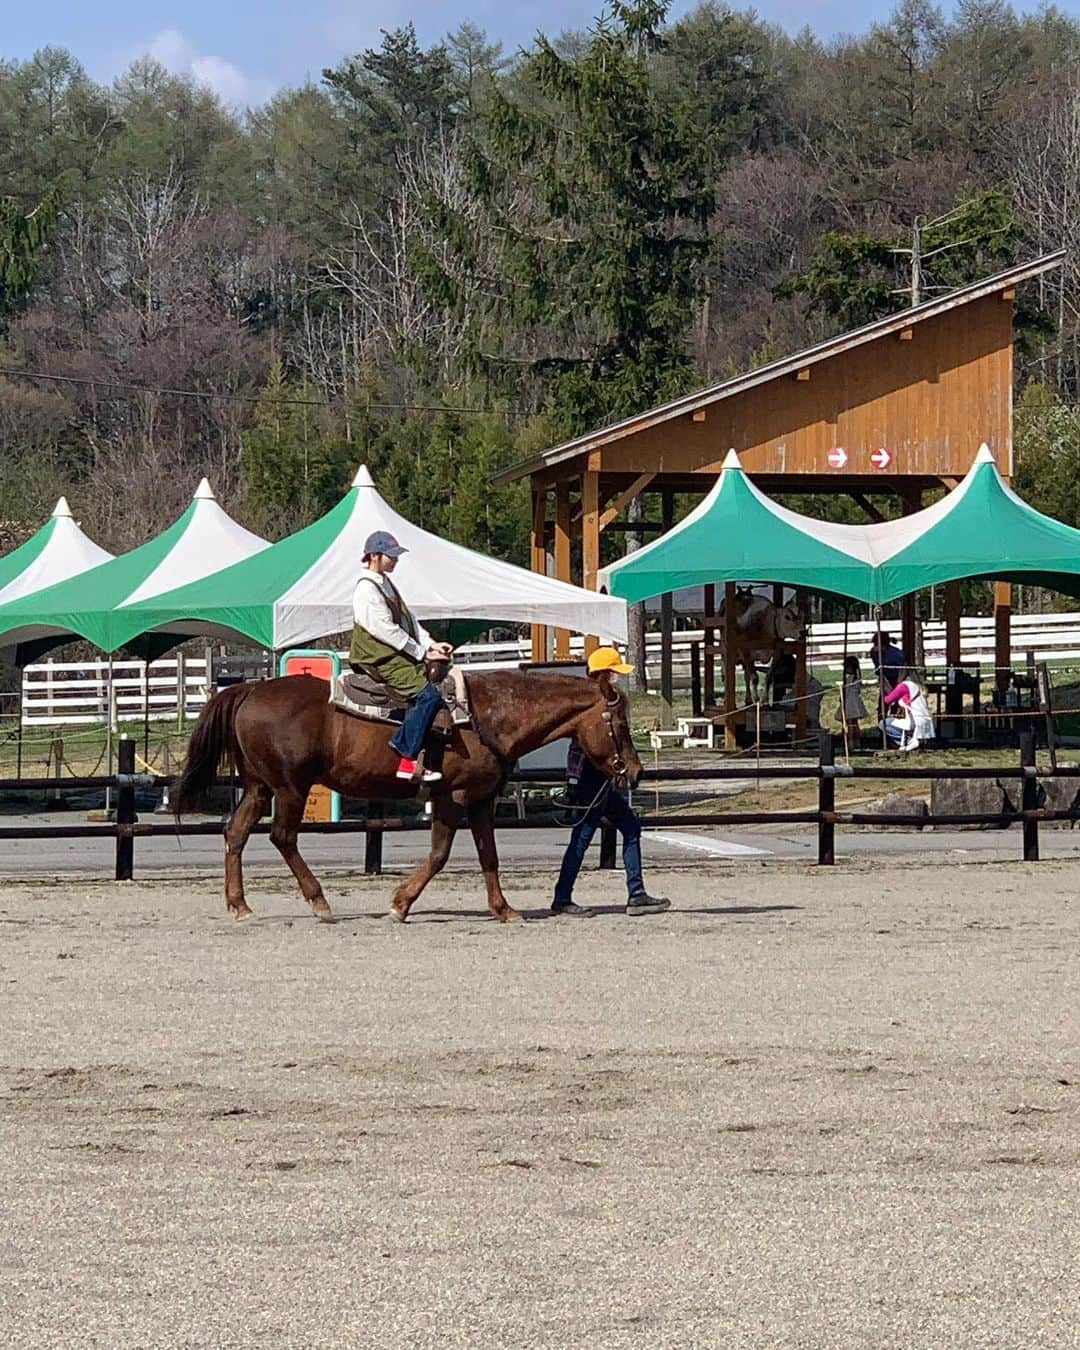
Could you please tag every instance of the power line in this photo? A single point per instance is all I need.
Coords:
(224, 397)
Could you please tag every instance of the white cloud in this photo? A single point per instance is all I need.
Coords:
(229, 82)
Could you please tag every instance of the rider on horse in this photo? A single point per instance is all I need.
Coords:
(389, 644)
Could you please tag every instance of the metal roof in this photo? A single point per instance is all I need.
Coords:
(774, 370)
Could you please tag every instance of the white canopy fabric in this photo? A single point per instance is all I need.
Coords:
(57, 551)
(301, 588)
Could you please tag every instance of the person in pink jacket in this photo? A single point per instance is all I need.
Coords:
(916, 725)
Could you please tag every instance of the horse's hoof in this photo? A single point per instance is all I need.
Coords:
(326, 916)
(397, 915)
(509, 915)
(241, 911)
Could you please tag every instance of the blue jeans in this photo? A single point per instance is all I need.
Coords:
(409, 739)
(610, 803)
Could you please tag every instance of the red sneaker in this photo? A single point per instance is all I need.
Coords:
(407, 769)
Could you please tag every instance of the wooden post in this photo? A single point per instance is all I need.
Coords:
(125, 811)
(1002, 636)
(666, 624)
(538, 563)
(709, 672)
(562, 560)
(695, 679)
(826, 849)
(1029, 796)
(373, 840)
(590, 538)
(907, 627)
(1046, 707)
(730, 741)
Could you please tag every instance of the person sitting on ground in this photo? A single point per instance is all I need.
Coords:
(599, 799)
(389, 645)
(916, 726)
(852, 709)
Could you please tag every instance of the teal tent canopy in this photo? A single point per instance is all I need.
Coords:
(981, 530)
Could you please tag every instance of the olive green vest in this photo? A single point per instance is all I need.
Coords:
(397, 669)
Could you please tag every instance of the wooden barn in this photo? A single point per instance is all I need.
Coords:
(899, 405)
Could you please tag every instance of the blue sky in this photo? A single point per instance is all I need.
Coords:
(245, 49)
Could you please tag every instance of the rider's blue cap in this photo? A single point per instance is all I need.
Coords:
(383, 542)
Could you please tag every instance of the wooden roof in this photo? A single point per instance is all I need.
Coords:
(776, 370)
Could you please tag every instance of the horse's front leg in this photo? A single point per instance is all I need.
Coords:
(289, 805)
(482, 824)
(447, 817)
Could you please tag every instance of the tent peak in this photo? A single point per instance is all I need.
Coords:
(985, 455)
(62, 509)
(732, 460)
(204, 492)
(363, 478)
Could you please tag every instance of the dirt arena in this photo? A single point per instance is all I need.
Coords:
(812, 1109)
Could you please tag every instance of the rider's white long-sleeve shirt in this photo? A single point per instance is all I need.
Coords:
(371, 610)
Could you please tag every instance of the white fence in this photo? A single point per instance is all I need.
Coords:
(56, 693)
(1052, 637)
(93, 693)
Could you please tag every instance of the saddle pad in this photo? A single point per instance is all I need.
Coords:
(350, 700)
(347, 693)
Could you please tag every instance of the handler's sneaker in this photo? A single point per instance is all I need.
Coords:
(575, 911)
(643, 903)
(407, 769)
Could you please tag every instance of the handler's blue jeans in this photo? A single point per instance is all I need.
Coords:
(409, 739)
(612, 804)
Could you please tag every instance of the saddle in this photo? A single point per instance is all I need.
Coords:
(364, 695)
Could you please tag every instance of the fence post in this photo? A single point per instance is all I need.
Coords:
(826, 838)
(373, 840)
(608, 841)
(695, 679)
(1029, 796)
(125, 811)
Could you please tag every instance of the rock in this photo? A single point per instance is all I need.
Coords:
(972, 796)
(895, 804)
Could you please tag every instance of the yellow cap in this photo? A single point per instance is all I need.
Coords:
(607, 658)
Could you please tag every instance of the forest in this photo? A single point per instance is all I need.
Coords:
(441, 260)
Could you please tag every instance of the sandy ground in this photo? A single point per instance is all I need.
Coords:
(805, 1108)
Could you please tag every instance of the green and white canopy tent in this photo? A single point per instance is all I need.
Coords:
(99, 604)
(981, 530)
(57, 551)
(301, 588)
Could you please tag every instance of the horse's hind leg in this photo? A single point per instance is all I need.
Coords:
(447, 818)
(482, 824)
(288, 811)
(254, 804)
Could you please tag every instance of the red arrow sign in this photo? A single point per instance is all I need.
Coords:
(881, 459)
(837, 457)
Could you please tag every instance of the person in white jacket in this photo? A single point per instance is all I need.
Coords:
(388, 644)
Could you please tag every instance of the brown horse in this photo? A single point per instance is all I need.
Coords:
(283, 737)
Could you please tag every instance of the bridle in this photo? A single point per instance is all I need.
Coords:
(618, 763)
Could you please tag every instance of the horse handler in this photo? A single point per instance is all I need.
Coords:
(389, 645)
(599, 799)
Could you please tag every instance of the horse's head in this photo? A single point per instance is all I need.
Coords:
(603, 732)
(789, 622)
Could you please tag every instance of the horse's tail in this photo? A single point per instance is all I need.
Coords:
(213, 739)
